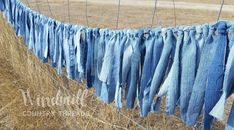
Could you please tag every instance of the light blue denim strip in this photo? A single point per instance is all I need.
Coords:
(2, 5)
(156, 70)
(147, 74)
(174, 85)
(197, 97)
(188, 69)
(138, 47)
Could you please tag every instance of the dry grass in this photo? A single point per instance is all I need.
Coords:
(227, 2)
(20, 69)
(104, 16)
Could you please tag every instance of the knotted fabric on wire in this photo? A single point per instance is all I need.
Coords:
(192, 66)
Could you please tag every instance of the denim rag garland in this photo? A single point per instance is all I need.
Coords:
(188, 65)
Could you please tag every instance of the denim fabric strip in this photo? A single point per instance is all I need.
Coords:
(39, 45)
(188, 69)
(72, 55)
(37, 32)
(11, 11)
(7, 10)
(77, 42)
(89, 63)
(41, 38)
(119, 58)
(104, 93)
(164, 65)
(121, 55)
(65, 47)
(127, 83)
(135, 70)
(158, 48)
(107, 60)
(2, 5)
(69, 51)
(197, 97)
(97, 40)
(112, 76)
(218, 110)
(81, 52)
(215, 74)
(57, 35)
(59, 48)
(31, 42)
(100, 55)
(16, 14)
(147, 74)
(174, 85)
(45, 40)
(157, 70)
(21, 21)
(201, 35)
(13, 7)
(85, 51)
(108, 87)
(27, 28)
(51, 41)
(168, 74)
(126, 65)
(168, 52)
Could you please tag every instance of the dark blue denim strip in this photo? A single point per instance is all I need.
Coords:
(215, 74)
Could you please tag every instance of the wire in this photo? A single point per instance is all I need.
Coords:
(174, 13)
(50, 8)
(220, 11)
(37, 6)
(86, 12)
(68, 10)
(155, 7)
(27, 3)
(117, 20)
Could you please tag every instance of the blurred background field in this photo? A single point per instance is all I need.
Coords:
(20, 69)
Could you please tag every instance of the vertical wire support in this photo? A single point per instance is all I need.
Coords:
(37, 6)
(155, 7)
(221, 8)
(68, 10)
(48, 3)
(174, 9)
(86, 12)
(27, 3)
(117, 20)
(64, 13)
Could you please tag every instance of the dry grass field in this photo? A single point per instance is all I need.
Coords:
(20, 69)
(101, 15)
